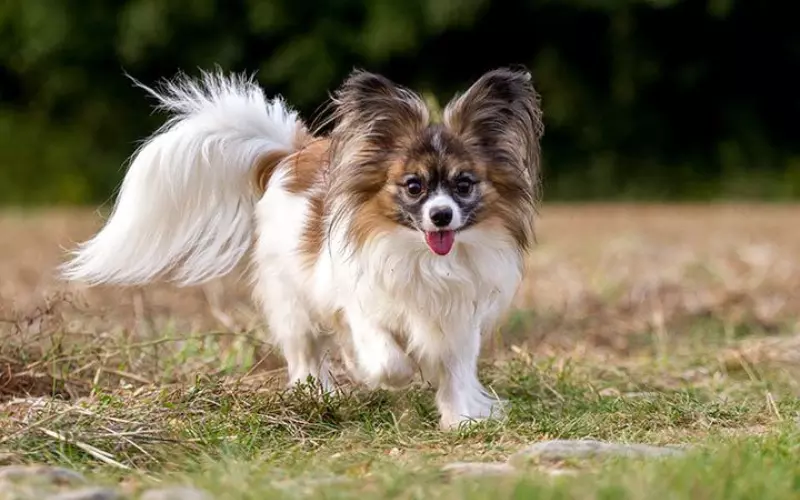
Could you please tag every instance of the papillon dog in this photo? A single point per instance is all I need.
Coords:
(398, 237)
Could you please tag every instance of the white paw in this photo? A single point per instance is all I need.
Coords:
(399, 376)
(395, 371)
(477, 408)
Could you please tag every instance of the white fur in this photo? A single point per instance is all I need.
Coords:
(441, 199)
(400, 308)
(186, 203)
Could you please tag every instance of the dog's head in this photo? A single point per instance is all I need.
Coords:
(393, 167)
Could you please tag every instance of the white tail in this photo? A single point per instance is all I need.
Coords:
(186, 204)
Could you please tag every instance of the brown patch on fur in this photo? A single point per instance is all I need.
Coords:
(376, 119)
(307, 167)
(267, 163)
(307, 176)
(265, 167)
(313, 233)
(509, 200)
(377, 114)
(500, 119)
(374, 217)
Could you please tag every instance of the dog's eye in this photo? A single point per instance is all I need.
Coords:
(414, 187)
(464, 187)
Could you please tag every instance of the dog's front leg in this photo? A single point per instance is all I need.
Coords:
(379, 360)
(460, 396)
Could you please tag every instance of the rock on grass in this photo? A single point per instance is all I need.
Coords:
(585, 449)
(175, 493)
(479, 469)
(93, 493)
(40, 474)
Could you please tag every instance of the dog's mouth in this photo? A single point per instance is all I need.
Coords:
(440, 242)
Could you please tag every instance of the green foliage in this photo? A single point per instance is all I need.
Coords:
(643, 98)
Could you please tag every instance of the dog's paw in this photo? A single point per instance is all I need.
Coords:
(391, 371)
(477, 410)
(394, 372)
(401, 376)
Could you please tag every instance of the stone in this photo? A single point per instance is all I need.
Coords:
(640, 395)
(39, 473)
(176, 493)
(558, 449)
(479, 469)
(560, 472)
(92, 493)
(309, 484)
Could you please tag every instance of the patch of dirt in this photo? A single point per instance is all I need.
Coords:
(16, 381)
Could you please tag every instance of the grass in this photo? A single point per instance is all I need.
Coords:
(661, 325)
(244, 441)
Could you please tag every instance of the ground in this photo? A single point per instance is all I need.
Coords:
(673, 326)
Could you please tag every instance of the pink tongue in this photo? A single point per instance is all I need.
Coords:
(441, 242)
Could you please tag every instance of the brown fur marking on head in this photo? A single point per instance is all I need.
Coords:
(500, 119)
(373, 110)
(375, 120)
(383, 134)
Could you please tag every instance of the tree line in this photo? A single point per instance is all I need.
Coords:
(643, 99)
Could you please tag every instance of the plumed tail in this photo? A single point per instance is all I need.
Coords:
(185, 208)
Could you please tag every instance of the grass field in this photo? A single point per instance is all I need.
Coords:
(664, 325)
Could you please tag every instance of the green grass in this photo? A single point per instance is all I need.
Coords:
(243, 439)
(747, 468)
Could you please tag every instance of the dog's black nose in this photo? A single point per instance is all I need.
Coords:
(441, 216)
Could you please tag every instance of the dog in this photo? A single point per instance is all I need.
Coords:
(396, 236)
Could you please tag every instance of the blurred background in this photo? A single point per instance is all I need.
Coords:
(643, 99)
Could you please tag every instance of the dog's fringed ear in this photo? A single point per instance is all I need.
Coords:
(377, 110)
(500, 117)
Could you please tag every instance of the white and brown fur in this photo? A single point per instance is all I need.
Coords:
(339, 221)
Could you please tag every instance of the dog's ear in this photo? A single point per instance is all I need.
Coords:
(378, 110)
(500, 117)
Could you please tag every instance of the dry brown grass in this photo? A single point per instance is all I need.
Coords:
(601, 278)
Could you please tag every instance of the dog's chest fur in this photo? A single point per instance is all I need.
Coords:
(400, 283)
